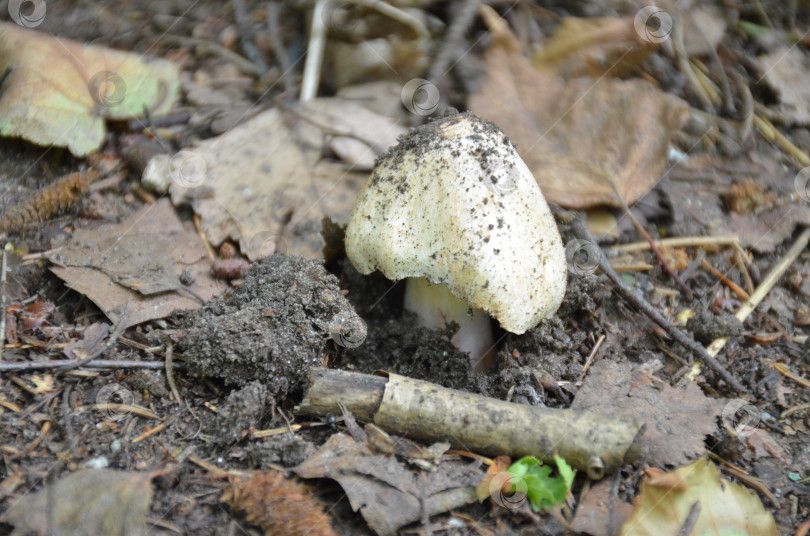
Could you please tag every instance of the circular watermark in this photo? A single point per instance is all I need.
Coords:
(263, 244)
(27, 13)
(742, 417)
(420, 96)
(340, 17)
(582, 256)
(507, 490)
(348, 330)
(802, 183)
(110, 396)
(503, 179)
(187, 169)
(107, 88)
(653, 24)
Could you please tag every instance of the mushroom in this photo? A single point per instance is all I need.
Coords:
(453, 209)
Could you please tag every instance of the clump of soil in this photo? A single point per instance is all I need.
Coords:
(241, 411)
(273, 328)
(706, 326)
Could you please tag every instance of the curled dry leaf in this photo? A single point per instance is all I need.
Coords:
(580, 136)
(131, 270)
(59, 92)
(259, 187)
(86, 503)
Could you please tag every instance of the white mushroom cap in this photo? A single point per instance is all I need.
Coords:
(454, 203)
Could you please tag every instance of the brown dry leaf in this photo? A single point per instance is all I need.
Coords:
(592, 47)
(703, 29)
(693, 188)
(257, 186)
(499, 465)
(86, 503)
(600, 513)
(677, 419)
(131, 270)
(787, 71)
(59, 92)
(92, 338)
(763, 444)
(366, 134)
(277, 505)
(42, 384)
(386, 492)
(725, 508)
(580, 135)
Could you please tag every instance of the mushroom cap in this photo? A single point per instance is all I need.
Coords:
(454, 203)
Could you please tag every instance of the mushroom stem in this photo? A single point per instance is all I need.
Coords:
(435, 306)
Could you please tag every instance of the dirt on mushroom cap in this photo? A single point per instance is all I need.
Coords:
(454, 203)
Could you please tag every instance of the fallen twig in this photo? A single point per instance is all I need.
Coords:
(725, 280)
(581, 231)
(678, 242)
(423, 410)
(6, 366)
(3, 270)
(246, 36)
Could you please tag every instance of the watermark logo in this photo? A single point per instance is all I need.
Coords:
(503, 179)
(27, 13)
(507, 490)
(340, 17)
(187, 169)
(582, 256)
(348, 330)
(653, 24)
(115, 400)
(741, 417)
(107, 89)
(802, 183)
(263, 244)
(420, 96)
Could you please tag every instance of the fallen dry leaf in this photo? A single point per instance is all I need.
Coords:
(703, 29)
(578, 136)
(600, 513)
(355, 134)
(384, 490)
(256, 185)
(592, 47)
(693, 188)
(131, 270)
(59, 92)
(725, 508)
(86, 503)
(92, 338)
(787, 71)
(677, 419)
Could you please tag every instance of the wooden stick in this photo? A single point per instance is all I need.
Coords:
(423, 410)
(725, 280)
(6, 366)
(678, 242)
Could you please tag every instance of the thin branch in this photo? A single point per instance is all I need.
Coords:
(62, 364)
(631, 295)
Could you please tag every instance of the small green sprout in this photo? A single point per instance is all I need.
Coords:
(543, 490)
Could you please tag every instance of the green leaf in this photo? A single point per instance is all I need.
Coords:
(543, 490)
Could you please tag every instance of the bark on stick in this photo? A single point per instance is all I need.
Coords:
(426, 411)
